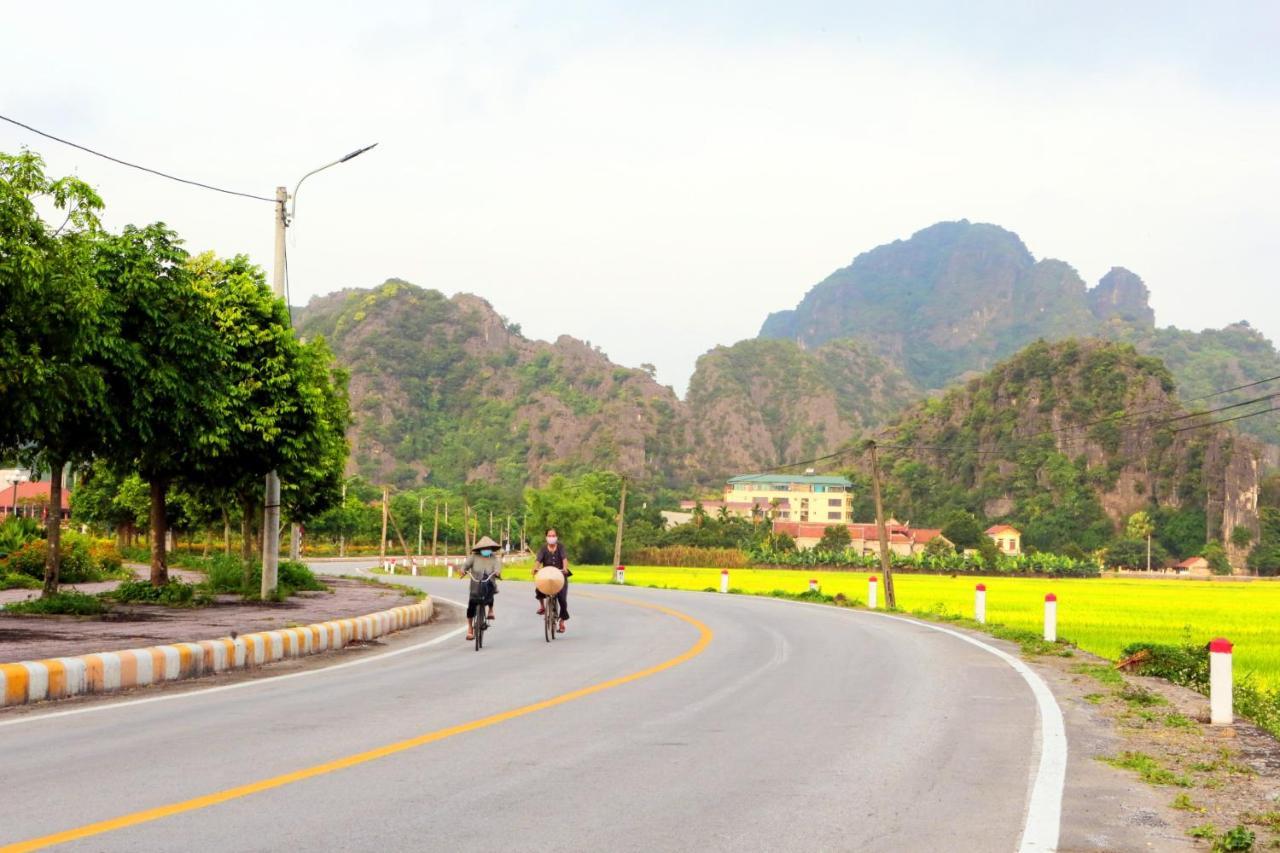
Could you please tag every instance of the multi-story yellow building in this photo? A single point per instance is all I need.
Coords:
(791, 497)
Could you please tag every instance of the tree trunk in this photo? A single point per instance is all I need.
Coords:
(246, 543)
(226, 532)
(159, 533)
(53, 531)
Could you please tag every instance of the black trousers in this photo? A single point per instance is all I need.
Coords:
(474, 604)
(562, 596)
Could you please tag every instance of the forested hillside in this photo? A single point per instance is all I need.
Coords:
(446, 391)
(1067, 441)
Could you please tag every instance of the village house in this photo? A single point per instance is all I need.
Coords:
(864, 538)
(1194, 566)
(806, 497)
(1008, 539)
(30, 500)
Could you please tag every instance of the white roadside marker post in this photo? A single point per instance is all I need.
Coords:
(871, 592)
(620, 575)
(414, 564)
(813, 584)
(449, 568)
(724, 580)
(980, 604)
(1051, 618)
(1220, 701)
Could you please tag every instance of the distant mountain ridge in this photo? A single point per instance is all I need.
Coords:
(957, 297)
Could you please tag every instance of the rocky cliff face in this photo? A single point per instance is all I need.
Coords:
(958, 296)
(1121, 296)
(759, 403)
(447, 391)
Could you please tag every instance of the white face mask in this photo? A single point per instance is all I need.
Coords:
(551, 540)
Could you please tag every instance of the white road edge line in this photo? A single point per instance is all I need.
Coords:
(256, 682)
(1044, 804)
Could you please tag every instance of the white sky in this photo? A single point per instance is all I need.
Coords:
(657, 179)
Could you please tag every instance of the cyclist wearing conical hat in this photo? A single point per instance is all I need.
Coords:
(484, 565)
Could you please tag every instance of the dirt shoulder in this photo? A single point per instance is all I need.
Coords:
(1145, 770)
(134, 626)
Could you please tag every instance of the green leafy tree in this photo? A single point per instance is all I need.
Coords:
(1139, 526)
(834, 538)
(1217, 557)
(964, 529)
(1132, 554)
(581, 512)
(167, 385)
(1241, 536)
(52, 370)
(1265, 556)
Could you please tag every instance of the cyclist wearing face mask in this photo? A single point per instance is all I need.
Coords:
(552, 554)
(484, 565)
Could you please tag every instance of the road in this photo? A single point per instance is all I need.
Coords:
(747, 724)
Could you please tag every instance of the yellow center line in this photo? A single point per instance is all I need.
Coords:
(148, 815)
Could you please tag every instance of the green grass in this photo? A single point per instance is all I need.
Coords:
(1101, 616)
(1148, 769)
(65, 603)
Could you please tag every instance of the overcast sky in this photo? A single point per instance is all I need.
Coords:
(656, 177)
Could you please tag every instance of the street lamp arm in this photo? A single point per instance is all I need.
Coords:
(294, 208)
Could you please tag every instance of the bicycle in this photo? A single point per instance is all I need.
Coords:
(551, 620)
(480, 623)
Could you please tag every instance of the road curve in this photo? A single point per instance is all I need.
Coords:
(779, 727)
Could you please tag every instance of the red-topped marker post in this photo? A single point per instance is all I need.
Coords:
(620, 574)
(1051, 618)
(1220, 700)
(871, 592)
(724, 580)
(813, 584)
(980, 604)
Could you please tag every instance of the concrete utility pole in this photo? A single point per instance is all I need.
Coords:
(435, 533)
(421, 502)
(622, 511)
(271, 501)
(886, 565)
(342, 533)
(382, 541)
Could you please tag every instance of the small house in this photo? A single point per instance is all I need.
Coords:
(1008, 539)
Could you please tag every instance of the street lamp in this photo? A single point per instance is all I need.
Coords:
(271, 503)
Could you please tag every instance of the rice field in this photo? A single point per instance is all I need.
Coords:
(1099, 615)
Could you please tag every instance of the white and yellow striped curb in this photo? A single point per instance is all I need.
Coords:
(105, 672)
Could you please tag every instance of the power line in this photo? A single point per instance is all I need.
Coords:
(134, 165)
(1266, 411)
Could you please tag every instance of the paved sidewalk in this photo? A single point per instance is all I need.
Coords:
(134, 626)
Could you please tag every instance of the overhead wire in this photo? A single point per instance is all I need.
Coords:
(137, 166)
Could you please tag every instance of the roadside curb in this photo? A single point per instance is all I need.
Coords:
(107, 672)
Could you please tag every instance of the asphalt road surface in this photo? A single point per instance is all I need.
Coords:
(659, 721)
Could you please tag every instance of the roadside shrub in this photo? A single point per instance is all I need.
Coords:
(687, 555)
(29, 559)
(173, 594)
(13, 580)
(297, 577)
(225, 573)
(83, 560)
(68, 603)
(15, 532)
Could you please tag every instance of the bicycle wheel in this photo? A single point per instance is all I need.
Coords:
(553, 616)
(548, 606)
(480, 624)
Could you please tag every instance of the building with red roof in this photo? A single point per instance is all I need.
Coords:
(864, 538)
(1008, 539)
(30, 500)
